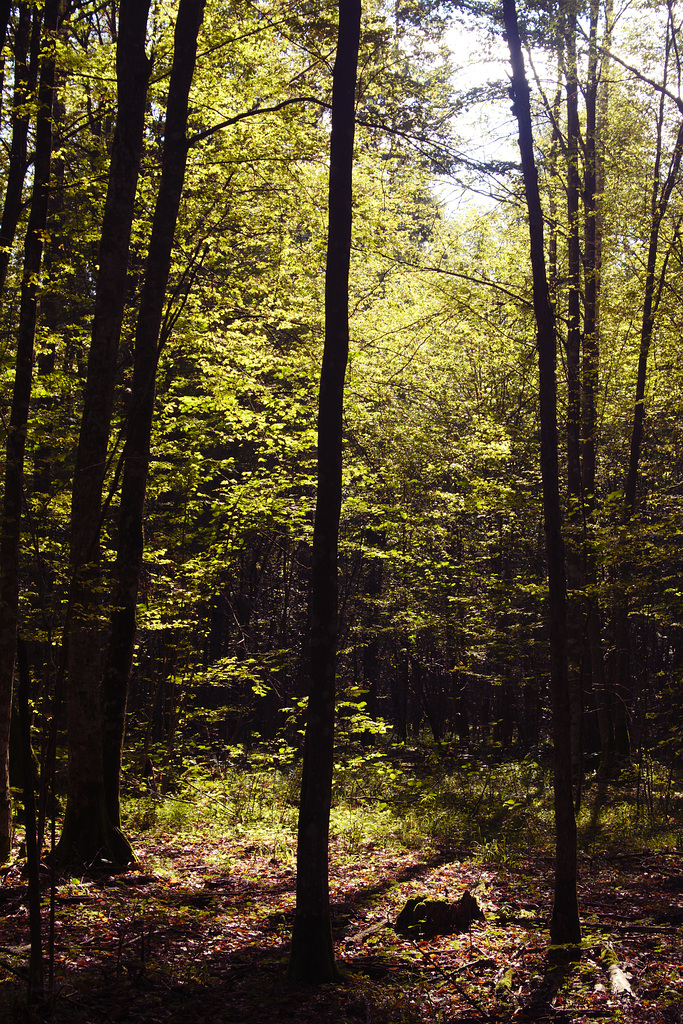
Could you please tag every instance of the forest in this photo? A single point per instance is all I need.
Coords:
(341, 585)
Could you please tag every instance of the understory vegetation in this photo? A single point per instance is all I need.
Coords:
(201, 929)
(420, 797)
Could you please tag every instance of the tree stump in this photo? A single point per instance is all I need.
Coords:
(425, 918)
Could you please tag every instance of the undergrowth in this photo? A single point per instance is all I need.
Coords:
(493, 809)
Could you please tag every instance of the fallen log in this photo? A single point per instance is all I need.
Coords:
(618, 982)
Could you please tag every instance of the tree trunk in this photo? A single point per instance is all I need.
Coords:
(594, 185)
(574, 274)
(88, 830)
(575, 579)
(565, 926)
(5, 11)
(661, 194)
(312, 955)
(139, 422)
(10, 531)
(35, 966)
(10, 217)
(554, 181)
(16, 172)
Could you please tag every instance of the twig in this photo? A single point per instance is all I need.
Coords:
(647, 928)
(580, 1011)
(17, 972)
(459, 988)
(612, 925)
(84, 1006)
(377, 927)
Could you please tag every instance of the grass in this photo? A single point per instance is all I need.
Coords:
(494, 809)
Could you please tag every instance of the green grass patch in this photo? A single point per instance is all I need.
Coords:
(489, 808)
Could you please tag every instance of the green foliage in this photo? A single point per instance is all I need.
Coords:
(258, 800)
(491, 811)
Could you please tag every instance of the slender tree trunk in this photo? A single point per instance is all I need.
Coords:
(10, 530)
(88, 830)
(139, 422)
(565, 926)
(594, 185)
(574, 273)
(35, 968)
(661, 195)
(575, 579)
(554, 180)
(10, 217)
(312, 955)
(5, 11)
(16, 172)
(592, 272)
(650, 301)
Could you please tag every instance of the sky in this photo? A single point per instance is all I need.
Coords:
(487, 131)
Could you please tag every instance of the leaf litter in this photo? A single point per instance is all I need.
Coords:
(201, 934)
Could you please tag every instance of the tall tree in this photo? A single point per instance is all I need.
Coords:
(148, 340)
(24, 84)
(312, 954)
(15, 449)
(565, 927)
(573, 352)
(664, 182)
(597, 101)
(11, 209)
(87, 827)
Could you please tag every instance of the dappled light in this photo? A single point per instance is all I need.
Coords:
(202, 929)
(341, 576)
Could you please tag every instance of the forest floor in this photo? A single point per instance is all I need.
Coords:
(200, 935)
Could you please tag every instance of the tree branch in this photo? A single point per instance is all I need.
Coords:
(429, 269)
(605, 51)
(253, 112)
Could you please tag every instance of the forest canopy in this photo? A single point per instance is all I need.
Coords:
(166, 177)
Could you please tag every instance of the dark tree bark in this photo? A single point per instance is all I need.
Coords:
(574, 271)
(594, 186)
(554, 176)
(654, 283)
(16, 172)
(565, 927)
(592, 264)
(10, 217)
(10, 531)
(573, 354)
(5, 11)
(88, 830)
(312, 955)
(35, 967)
(139, 422)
